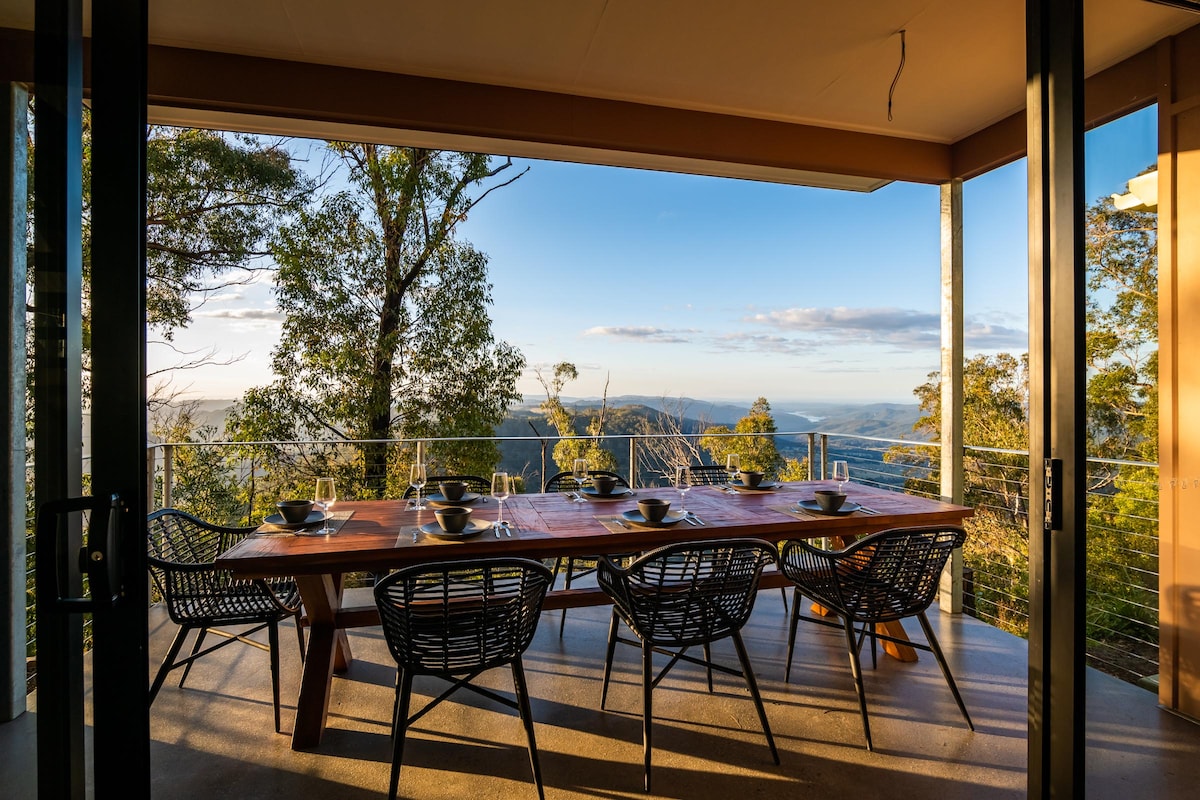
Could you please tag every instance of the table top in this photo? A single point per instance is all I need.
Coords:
(380, 533)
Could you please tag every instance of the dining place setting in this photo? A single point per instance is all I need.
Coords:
(454, 503)
(303, 517)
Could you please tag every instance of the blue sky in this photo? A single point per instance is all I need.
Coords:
(678, 285)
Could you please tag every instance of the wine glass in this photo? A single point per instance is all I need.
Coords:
(733, 465)
(500, 487)
(325, 497)
(416, 479)
(683, 482)
(841, 473)
(579, 471)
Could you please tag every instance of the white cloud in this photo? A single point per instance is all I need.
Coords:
(988, 336)
(244, 314)
(643, 333)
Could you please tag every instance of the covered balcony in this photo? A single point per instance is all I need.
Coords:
(778, 91)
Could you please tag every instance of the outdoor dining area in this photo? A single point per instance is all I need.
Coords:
(783, 706)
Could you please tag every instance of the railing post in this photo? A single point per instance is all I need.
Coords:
(824, 455)
(950, 595)
(812, 453)
(633, 465)
(168, 474)
(150, 463)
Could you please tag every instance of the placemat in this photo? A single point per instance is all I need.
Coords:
(336, 520)
(412, 534)
(800, 513)
(613, 523)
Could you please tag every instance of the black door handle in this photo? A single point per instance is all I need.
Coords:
(98, 558)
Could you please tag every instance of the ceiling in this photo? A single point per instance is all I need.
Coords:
(824, 64)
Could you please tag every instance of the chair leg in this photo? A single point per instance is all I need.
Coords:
(783, 593)
(562, 622)
(518, 671)
(941, 659)
(300, 634)
(195, 649)
(856, 671)
(708, 664)
(647, 705)
(404, 681)
(787, 670)
(273, 642)
(748, 672)
(167, 662)
(608, 657)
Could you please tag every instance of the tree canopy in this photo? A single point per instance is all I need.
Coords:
(757, 452)
(387, 332)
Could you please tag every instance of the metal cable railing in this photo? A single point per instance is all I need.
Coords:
(1122, 612)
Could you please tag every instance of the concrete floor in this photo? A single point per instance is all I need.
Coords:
(215, 739)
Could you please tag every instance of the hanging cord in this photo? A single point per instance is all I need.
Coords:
(895, 80)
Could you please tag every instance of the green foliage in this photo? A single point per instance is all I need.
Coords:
(212, 201)
(1122, 424)
(571, 446)
(387, 332)
(203, 482)
(757, 452)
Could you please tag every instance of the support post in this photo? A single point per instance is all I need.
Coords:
(1057, 387)
(950, 596)
(121, 704)
(58, 396)
(14, 193)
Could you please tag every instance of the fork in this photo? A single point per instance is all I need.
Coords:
(695, 520)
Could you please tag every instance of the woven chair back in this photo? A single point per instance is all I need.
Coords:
(688, 593)
(562, 480)
(474, 484)
(886, 576)
(708, 475)
(457, 617)
(181, 550)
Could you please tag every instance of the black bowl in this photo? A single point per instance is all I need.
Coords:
(653, 509)
(453, 519)
(604, 484)
(750, 478)
(829, 499)
(294, 510)
(452, 490)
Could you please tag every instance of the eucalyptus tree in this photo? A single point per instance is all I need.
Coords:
(212, 201)
(756, 452)
(571, 446)
(386, 330)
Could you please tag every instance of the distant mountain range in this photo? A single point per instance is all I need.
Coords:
(882, 420)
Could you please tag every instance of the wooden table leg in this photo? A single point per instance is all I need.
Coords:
(321, 599)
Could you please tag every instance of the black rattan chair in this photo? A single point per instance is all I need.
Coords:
(708, 475)
(713, 475)
(453, 620)
(200, 597)
(565, 480)
(885, 577)
(474, 484)
(559, 483)
(679, 596)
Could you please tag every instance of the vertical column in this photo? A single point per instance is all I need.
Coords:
(1179, 371)
(14, 192)
(58, 395)
(118, 306)
(951, 590)
(1057, 388)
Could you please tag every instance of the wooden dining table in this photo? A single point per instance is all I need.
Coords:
(379, 536)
